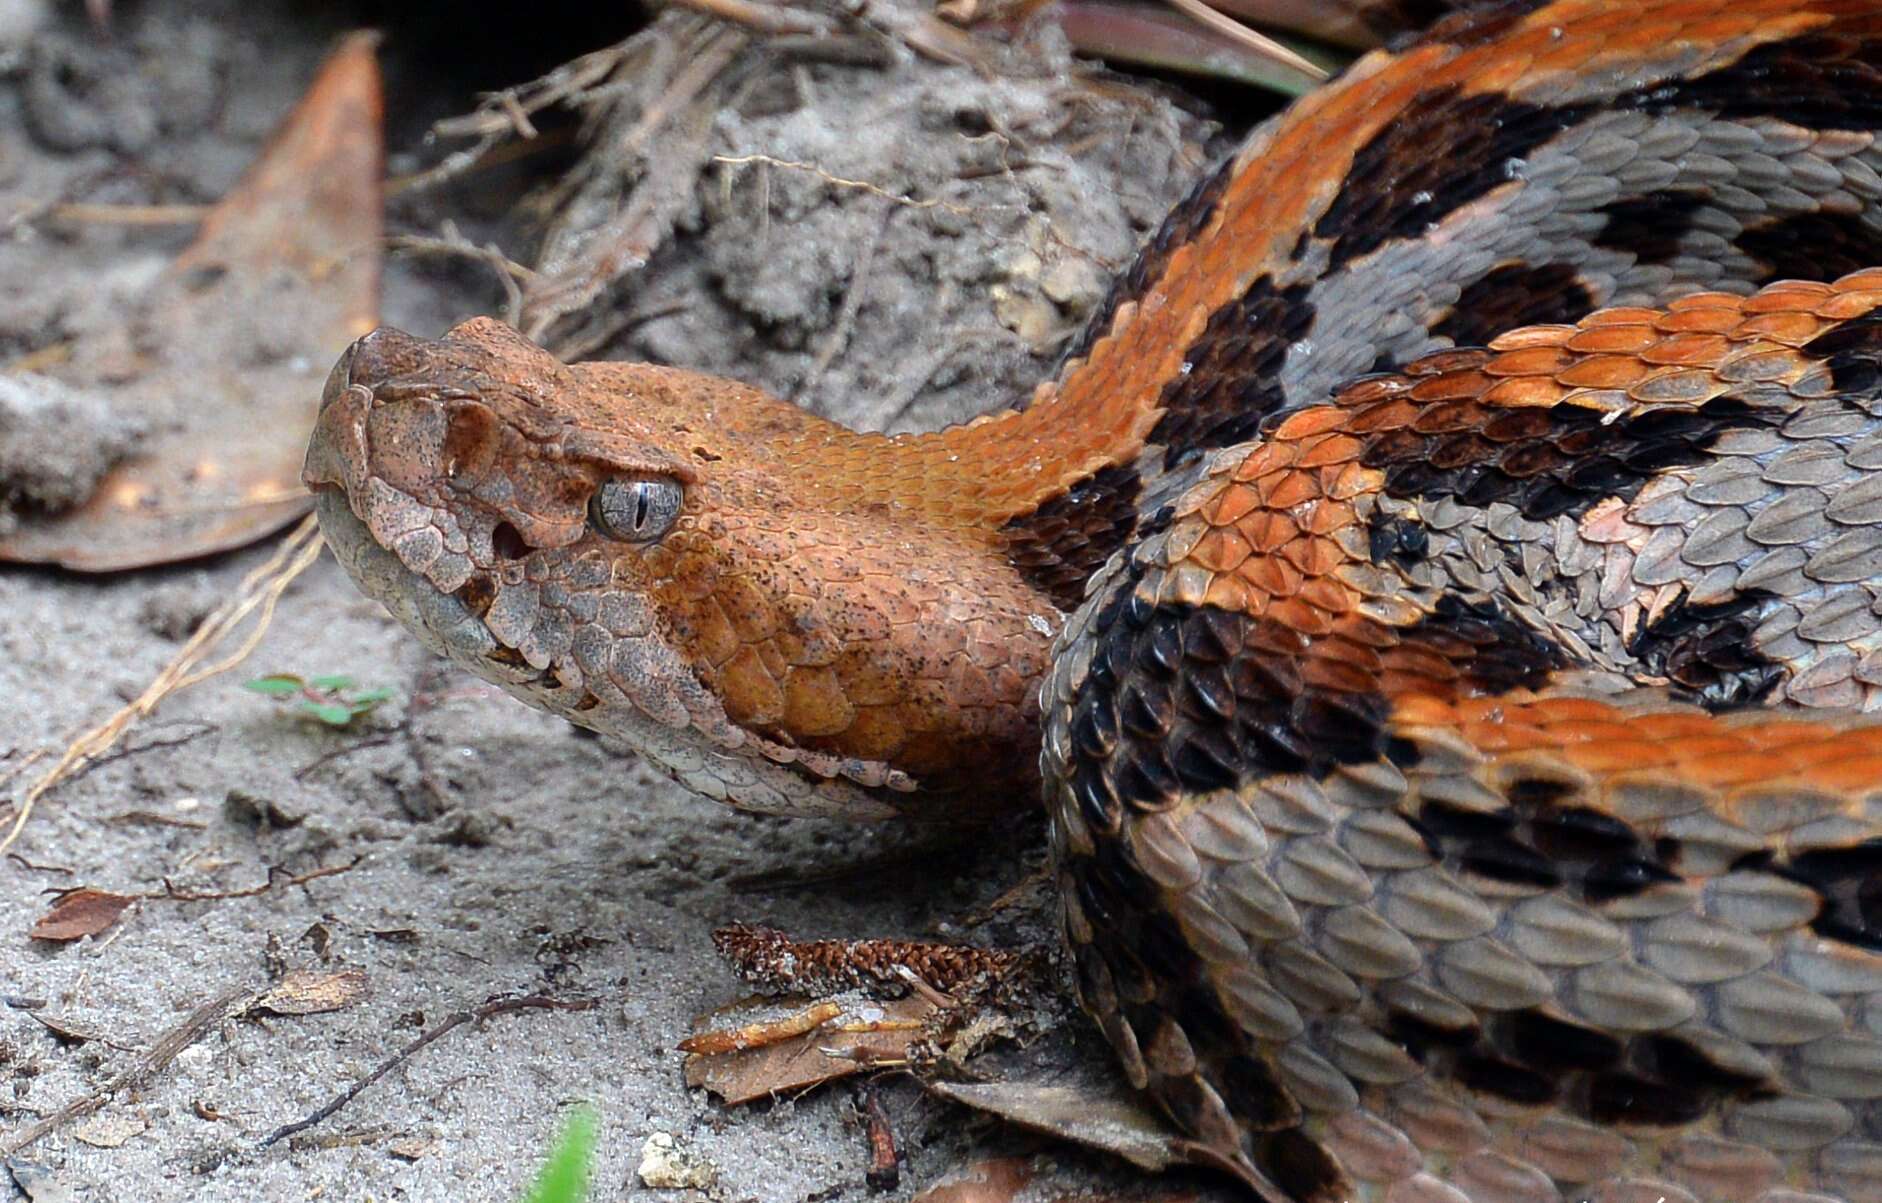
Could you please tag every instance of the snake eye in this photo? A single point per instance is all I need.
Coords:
(635, 511)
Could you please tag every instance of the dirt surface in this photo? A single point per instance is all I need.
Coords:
(948, 231)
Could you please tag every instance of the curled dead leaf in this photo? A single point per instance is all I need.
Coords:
(1046, 1179)
(78, 913)
(1097, 1112)
(311, 992)
(772, 1055)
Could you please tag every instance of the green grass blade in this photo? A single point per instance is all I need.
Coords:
(276, 684)
(564, 1177)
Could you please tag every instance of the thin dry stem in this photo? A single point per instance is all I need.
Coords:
(1260, 43)
(764, 18)
(261, 589)
(839, 182)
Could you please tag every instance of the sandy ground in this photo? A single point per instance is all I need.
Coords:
(496, 850)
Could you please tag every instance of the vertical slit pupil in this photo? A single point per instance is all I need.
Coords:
(641, 506)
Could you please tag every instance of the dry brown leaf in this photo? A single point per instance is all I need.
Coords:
(865, 1036)
(312, 992)
(80, 913)
(111, 1130)
(1095, 1113)
(1007, 1179)
(67, 1031)
(998, 1180)
(224, 360)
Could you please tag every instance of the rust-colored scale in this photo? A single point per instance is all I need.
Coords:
(1274, 530)
(1103, 406)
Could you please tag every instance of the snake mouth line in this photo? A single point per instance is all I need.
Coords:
(442, 621)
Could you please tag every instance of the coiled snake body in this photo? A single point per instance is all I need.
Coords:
(1455, 735)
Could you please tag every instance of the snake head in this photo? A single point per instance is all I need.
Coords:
(684, 563)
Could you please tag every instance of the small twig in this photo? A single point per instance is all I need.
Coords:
(844, 51)
(682, 114)
(170, 893)
(151, 818)
(500, 1006)
(23, 863)
(861, 185)
(509, 273)
(327, 758)
(583, 343)
(764, 18)
(497, 112)
(94, 213)
(1260, 43)
(145, 1067)
(195, 730)
(885, 1161)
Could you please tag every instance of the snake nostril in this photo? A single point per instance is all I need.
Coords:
(508, 542)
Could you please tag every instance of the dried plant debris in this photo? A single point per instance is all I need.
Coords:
(876, 228)
(314, 992)
(1147, 35)
(142, 1069)
(1094, 1111)
(997, 1180)
(770, 1054)
(884, 1171)
(84, 911)
(223, 358)
(78, 913)
(759, 1048)
(771, 961)
(110, 1130)
(1046, 1179)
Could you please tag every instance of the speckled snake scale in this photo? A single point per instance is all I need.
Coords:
(1440, 595)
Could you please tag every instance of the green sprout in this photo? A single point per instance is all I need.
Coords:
(331, 699)
(564, 1177)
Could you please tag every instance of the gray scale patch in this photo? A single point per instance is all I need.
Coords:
(1624, 996)
(1486, 974)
